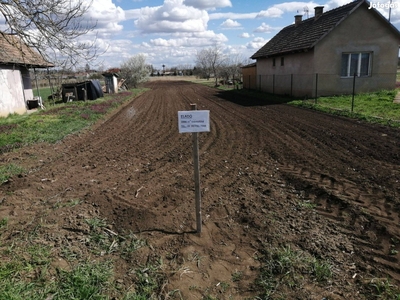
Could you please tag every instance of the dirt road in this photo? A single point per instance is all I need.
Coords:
(272, 175)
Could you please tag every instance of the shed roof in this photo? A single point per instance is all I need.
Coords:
(308, 33)
(250, 65)
(14, 51)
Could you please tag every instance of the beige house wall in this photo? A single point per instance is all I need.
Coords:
(12, 98)
(296, 76)
(362, 31)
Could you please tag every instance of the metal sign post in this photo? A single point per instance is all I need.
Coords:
(195, 121)
(196, 166)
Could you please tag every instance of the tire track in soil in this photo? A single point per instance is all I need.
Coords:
(361, 206)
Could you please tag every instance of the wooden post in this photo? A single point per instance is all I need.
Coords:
(196, 175)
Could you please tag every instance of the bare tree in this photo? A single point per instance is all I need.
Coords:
(232, 67)
(209, 60)
(135, 70)
(52, 27)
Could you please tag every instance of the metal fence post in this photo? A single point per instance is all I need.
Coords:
(354, 89)
(291, 85)
(273, 84)
(316, 88)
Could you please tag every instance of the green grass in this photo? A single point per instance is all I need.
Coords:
(44, 93)
(27, 270)
(29, 277)
(375, 107)
(8, 170)
(382, 288)
(287, 268)
(54, 123)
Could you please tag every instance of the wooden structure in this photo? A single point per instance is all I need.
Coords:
(249, 73)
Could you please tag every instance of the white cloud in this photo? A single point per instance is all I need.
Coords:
(277, 10)
(272, 12)
(201, 39)
(230, 24)
(244, 35)
(173, 16)
(296, 7)
(256, 43)
(265, 28)
(208, 4)
(100, 12)
(233, 16)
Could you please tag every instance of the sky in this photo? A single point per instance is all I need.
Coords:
(171, 32)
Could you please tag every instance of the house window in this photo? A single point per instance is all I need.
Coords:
(356, 63)
(282, 61)
(273, 62)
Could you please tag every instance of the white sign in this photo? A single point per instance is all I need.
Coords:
(194, 121)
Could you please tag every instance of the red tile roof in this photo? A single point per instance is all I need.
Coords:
(14, 51)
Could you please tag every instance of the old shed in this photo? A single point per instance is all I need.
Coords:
(16, 58)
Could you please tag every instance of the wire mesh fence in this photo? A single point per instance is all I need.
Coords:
(315, 85)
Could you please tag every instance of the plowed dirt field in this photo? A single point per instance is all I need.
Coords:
(273, 176)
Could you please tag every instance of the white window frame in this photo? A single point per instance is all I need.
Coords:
(358, 64)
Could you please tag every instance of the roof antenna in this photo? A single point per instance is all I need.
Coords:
(306, 11)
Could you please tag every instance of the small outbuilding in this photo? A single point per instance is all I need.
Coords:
(85, 90)
(249, 73)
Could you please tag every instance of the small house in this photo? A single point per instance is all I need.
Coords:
(328, 53)
(16, 58)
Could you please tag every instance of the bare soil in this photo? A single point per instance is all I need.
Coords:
(272, 175)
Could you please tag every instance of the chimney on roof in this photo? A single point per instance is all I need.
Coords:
(297, 19)
(319, 10)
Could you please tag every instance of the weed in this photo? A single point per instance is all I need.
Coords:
(3, 223)
(149, 280)
(209, 297)
(70, 203)
(224, 286)
(307, 204)
(96, 223)
(237, 276)
(382, 288)
(196, 257)
(86, 281)
(321, 270)
(9, 170)
(290, 268)
(131, 244)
